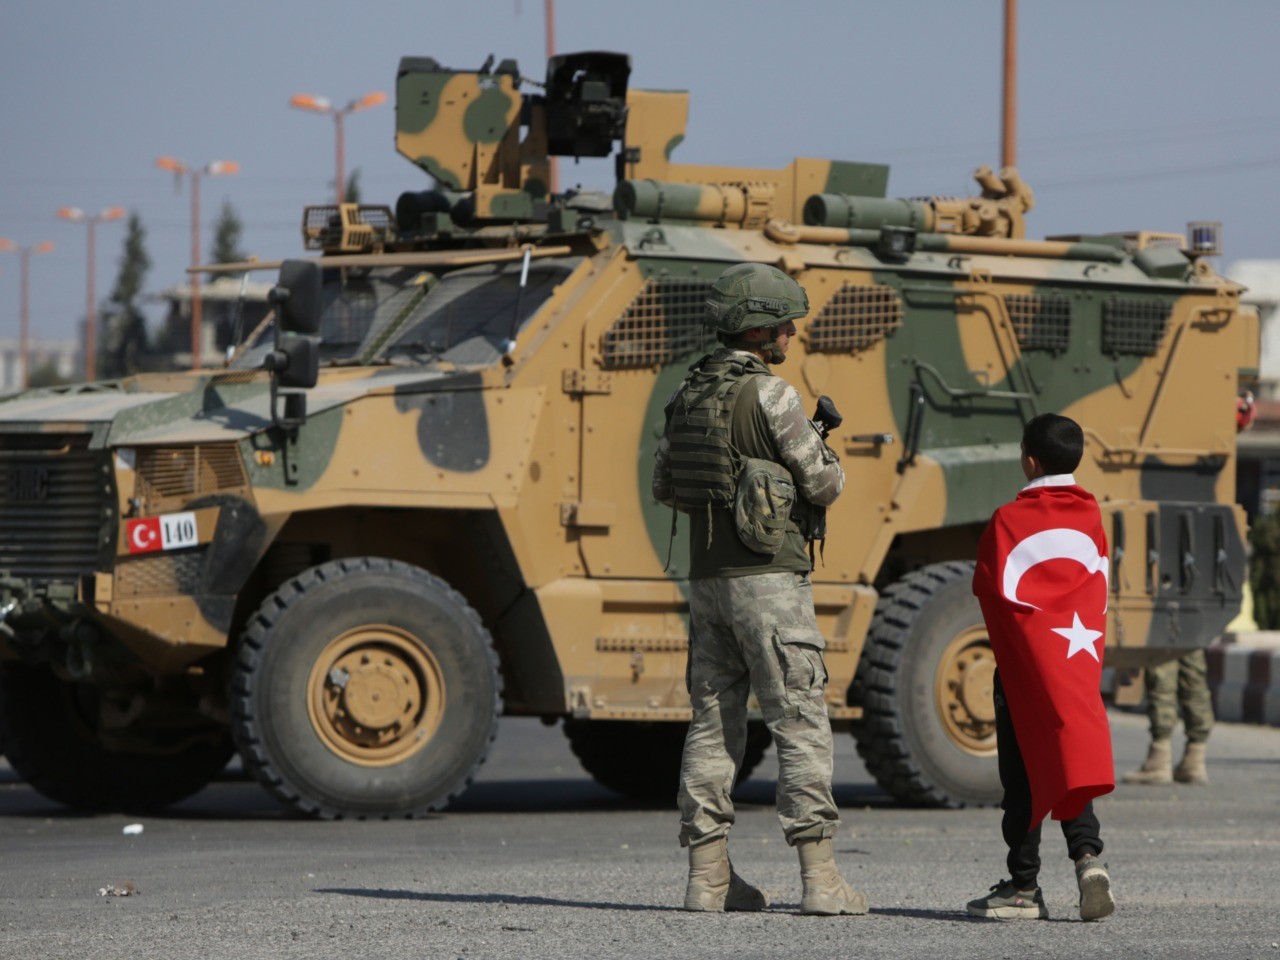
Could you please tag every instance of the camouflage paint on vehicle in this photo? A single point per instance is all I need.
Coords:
(480, 445)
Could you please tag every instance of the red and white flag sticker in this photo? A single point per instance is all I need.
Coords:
(169, 532)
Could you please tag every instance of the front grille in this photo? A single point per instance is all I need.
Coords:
(168, 473)
(54, 494)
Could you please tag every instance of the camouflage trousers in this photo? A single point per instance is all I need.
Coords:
(1180, 683)
(756, 634)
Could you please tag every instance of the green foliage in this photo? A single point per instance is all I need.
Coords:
(134, 264)
(123, 338)
(226, 249)
(1264, 569)
(226, 236)
(46, 375)
(351, 192)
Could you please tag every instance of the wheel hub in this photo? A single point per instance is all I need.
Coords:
(964, 692)
(375, 695)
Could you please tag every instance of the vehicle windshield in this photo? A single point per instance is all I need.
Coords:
(408, 314)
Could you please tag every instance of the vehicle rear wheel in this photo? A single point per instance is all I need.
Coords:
(49, 731)
(928, 731)
(641, 759)
(365, 687)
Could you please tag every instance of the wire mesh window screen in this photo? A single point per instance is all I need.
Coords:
(662, 323)
(1132, 326)
(857, 317)
(1040, 322)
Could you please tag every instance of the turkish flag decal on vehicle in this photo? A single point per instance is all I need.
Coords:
(169, 532)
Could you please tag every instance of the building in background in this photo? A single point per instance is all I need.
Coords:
(222, 308)
(65, 358)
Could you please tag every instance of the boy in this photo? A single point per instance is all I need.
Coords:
(1041, 580)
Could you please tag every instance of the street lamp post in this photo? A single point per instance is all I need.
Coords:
(90, 318)
(305, 101)
(215, 168)
(25, 254)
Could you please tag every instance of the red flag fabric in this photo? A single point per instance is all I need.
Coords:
(1041, 580)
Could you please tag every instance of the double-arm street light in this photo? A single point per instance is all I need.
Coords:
(216, 168)
(90, 318)
(25, 253)
(304, 101)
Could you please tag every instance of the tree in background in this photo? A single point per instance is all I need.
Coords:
(227, 232)
(124, 344)
(46, 375)
(352, 192)
(1264, 569)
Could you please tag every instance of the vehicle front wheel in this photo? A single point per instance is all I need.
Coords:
(365, 687)
(52, 735)
(928, 732)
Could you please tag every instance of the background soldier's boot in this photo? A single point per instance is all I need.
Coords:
(1157, 768)
(825, 891)
(713, 884)
(1191, 769)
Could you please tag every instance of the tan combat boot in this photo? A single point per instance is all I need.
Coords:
(825, 891)
(713, 884)
(1157, 768)
(1191, 769)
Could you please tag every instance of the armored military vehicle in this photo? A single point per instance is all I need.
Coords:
(417, 498)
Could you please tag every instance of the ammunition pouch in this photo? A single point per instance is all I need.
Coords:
(763, 504)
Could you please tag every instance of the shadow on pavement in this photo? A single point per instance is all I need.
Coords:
(507, 898)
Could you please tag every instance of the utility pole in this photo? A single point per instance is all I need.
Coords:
(179, 169)
(1009, 126)
(90, 310)
(24, 320)
(553, 165)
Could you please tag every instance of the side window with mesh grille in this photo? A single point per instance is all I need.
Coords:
(662, 323)
(857, 317)
(1040, 322)
(1134, 327)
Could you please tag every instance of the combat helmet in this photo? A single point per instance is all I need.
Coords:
(750, 295)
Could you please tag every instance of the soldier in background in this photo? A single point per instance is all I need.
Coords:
(741, 458)
(1179, 684)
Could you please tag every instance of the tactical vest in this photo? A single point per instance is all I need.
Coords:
(704, 464)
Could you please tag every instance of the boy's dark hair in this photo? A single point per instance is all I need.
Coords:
(1056, 441)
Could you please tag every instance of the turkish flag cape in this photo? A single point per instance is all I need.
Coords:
(1041, 580)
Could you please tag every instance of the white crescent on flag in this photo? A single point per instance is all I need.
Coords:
(143, 536)
(1059, 543)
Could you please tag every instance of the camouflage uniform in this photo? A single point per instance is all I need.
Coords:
(753, 629)
(1180, 683)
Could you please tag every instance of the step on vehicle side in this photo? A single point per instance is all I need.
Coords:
(417, 498)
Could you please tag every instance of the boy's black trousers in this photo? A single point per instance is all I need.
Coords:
(1024, 845)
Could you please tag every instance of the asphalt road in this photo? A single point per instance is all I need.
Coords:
(537, 861)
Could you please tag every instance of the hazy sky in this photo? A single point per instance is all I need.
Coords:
(1133, 114)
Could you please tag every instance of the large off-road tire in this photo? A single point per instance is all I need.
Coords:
(365, 687)
(49, 732)
(927, 733)
(641, 759)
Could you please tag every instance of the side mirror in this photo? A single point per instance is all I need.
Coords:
(295, 361)
(297, 297)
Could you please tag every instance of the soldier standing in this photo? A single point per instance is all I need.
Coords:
(740, 456)
(1179, 683)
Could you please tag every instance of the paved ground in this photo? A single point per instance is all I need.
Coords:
(537, 861)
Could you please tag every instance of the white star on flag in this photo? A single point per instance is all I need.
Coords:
(1081, 637)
